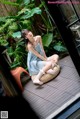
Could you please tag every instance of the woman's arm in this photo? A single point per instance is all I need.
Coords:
(40, 40)
(30, 48)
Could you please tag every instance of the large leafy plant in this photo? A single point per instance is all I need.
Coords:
(33, 18)
(17, 55)
(11, 27)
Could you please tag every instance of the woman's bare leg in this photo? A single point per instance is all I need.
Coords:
(47, 66)
(54, 58)
(50, 71)
(36, 80)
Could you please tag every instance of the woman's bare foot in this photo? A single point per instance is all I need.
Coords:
(37, 82)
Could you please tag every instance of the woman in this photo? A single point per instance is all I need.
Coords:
(37, 61)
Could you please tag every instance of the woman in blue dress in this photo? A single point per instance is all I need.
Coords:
(37, 61)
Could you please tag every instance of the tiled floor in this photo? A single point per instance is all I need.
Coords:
(48, 98)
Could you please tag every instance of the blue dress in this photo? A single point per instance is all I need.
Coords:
(34, 63)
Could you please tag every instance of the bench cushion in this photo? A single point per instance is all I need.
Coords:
(47, 77)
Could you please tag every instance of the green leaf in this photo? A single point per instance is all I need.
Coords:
(36, 10)
(26, 2)
(13, 27)
(17, 34)
(21, 43)
(14, 65)
(26, 24)
(47, 39)
(60, 48)
(30, 13)
(3, 42)
(2, 19)
(10, 51)
(23, 11)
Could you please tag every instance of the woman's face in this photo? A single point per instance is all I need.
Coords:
(29, 35)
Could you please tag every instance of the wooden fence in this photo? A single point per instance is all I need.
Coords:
(5, 9)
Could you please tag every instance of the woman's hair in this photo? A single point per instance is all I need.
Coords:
(24, 32)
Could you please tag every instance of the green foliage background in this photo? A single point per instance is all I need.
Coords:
(35, 18)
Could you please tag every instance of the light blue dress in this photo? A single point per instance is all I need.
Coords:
(33, 62)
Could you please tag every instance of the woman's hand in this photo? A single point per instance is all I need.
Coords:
(42, 57)
(48, 59)
(30, 48)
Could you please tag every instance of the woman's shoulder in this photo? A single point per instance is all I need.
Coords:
(37, 38)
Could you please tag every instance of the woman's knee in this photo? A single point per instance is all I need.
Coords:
(47, 66)
(56, 57)
(49, 63)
